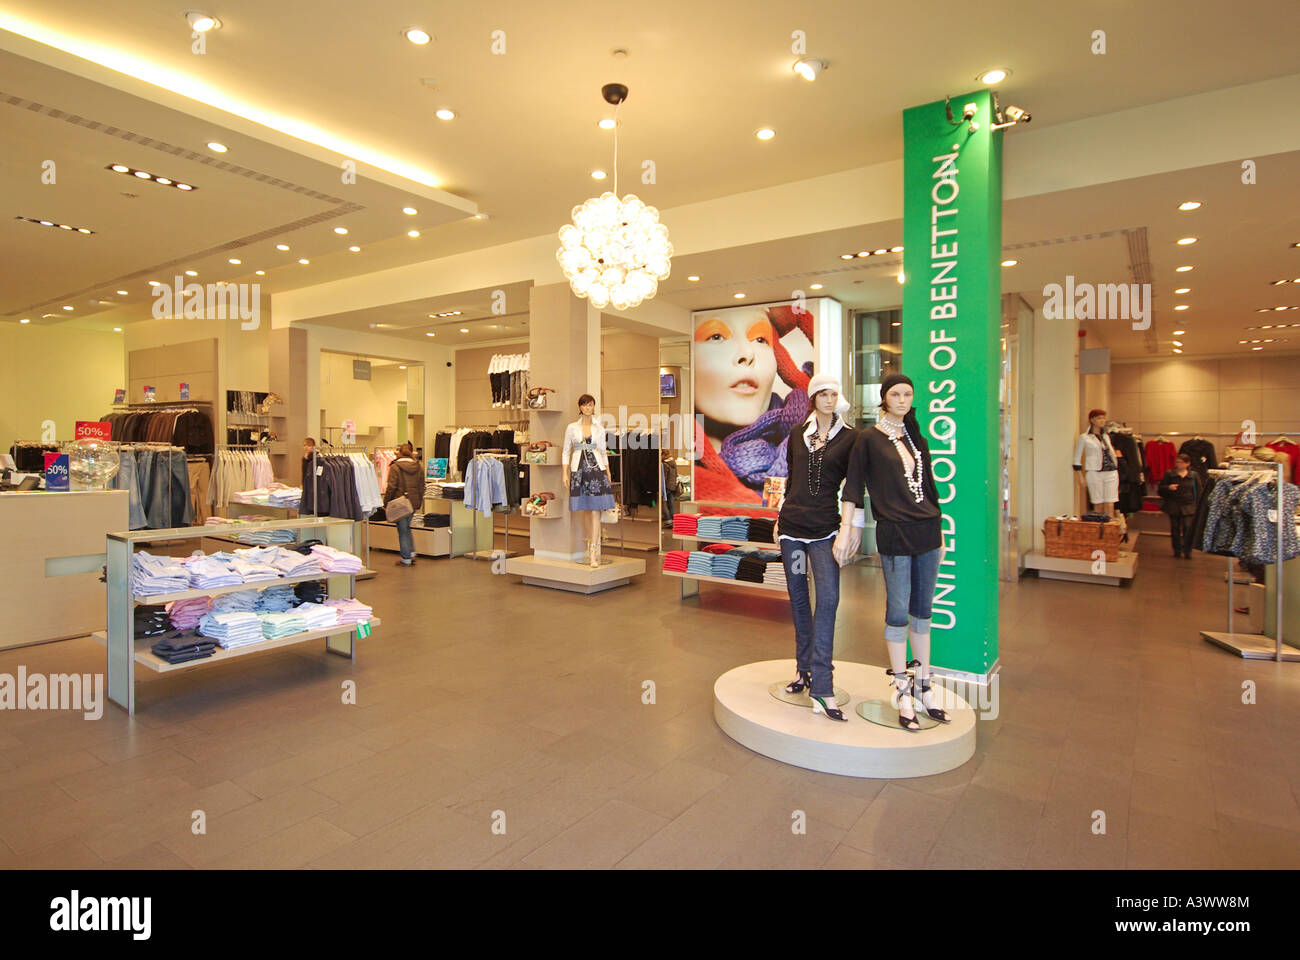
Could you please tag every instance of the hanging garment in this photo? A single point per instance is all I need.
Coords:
(485, 484)
(1160, 459)
(1202, 453)
(1291, 450)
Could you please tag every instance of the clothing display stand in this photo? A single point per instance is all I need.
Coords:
(1254, 646)
(125, 651)
(341, 449)
(691, 582)
(491, 552)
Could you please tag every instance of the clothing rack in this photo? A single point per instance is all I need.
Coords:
(1255, 646)
(340, 449)
(164, 404)
(477, 554)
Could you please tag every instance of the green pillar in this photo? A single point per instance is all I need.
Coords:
(952, 240)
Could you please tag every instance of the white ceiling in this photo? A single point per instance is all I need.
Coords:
(702, 78)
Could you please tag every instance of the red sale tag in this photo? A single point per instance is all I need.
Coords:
(93, 430)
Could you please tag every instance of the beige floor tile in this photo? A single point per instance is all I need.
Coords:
(1073, 845)
(301, 768)
(1014, 779)
(170, 818)
(901, 825)
(700, 839)
(775, 846)
(599, 840)
(1163, 843)
(1245, 844)
(246, 825)
(291, 848)
(990, 823)
(673, 788)
(64, 855)
(1170, 757)
(1182, 798)
(845, 857)
(1255, 793)
(1076, 799)
(155, 856)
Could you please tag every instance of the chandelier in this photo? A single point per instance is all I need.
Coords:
(615, 251)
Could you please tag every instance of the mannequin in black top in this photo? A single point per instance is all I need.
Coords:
(892, 459)
(811, 517)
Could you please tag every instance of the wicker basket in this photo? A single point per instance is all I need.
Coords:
(1077, 539)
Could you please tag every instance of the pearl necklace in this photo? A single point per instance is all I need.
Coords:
(815, 454)
(915, 479)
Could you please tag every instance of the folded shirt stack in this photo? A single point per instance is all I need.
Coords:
(243, 602)
(350, 611)
(152, 575)
(275, 600)
(760, 529)
(290, 563)
(185, 614)
(254, 572)
(313, 591)
(437, 519)
(774, 574)
(231, 630)
(726, 564)
(675, 560)
(751, 567)
(151, 620)
(715, 548)
(710, 527)
(735, 528)
(206, 572)
(335, 561)
(317, 616)
(700, 563)
(277, 625)
(685, 524)
(180, 649)
(266, 536)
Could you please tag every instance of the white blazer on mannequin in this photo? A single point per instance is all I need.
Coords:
(573, 437)
(1088, 449)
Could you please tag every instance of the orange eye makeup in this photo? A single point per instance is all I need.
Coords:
(711, 328)
(762, 330)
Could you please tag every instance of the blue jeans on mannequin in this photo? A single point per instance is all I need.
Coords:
(909, 597)
(814, 631)
(405, 542)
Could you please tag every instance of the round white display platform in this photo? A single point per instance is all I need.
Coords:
(751, 716)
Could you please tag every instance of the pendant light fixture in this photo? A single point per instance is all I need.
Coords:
(615, 251)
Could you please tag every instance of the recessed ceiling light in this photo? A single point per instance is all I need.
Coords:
(304, 261)
(864, 253)
(766, 133)
(1267, 326)
(163, 180)
(1190, 205)
(1241, 341)
(1176, 350)
(183, 186)
(235, 260)
(282, 246)
(1277, 283)
(417, 36)
(1186, 241)
(120, 168)
(1178, 343)
(464, 329)
(1183, 269)
(815, 286)
(142, 175)
(354, 249)
(482, 216)
(809, 67)
(607, 123)
(1183, 290)
(880, 251)
(896, 249)
(201, 22)
(1279, 308)
(445, 114)
(25, 320)
(154, 283)
(64, 226)
(46, 223)
(1179, 333)
(68, 308)
(1181, 306)
(1009, 263)
(121, 293)
(1257, 348)
(401, 366)
(341, 231)
(598, 174)
(117, 329)
(191, 273)
(996, 75)
(260, 273)
(410, 211)
(896, 323)
(693, 278)
(413, 234)
(217, 147)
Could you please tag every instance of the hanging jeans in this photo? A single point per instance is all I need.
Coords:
(127, 480)
(909, 591)
(405, 542)
(814, 631)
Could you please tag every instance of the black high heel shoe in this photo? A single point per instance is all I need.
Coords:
(800, 685)
(819, 706)
(903, 683)
(935, 712)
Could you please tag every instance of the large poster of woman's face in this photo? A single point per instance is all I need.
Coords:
(750, 367)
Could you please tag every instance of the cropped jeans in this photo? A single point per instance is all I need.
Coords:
(909, 592)
(814, 631)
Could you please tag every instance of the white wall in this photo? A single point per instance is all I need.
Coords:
(55, 373)
(1056, 417)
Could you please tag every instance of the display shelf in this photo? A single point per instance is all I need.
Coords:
(727, 503)
(726, 581)
(773, 547)
(258, 585)
(145, 656)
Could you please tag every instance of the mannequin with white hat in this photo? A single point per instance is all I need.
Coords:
(815, 533)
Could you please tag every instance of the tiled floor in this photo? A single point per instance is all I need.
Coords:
(500, 725)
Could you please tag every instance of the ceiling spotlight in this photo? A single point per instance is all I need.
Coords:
(598, 174)
(1018, 114)
(1186, 241)
(282, 246)
(143, 176)
(1176, 350)
(163, 180)
(119, 168)
(896, 323)
(25, 320)
(183, 186)
(607, 123)
(413, 234)
(341, 231)
(864, 253)
(1009, 263)
(217, 147)
(1183, 269)
(64, 226)
(1183, 290)
(445, 114)
(1277, 283)
(417, 36)
(1179, 333)
(401, 366)
(1190, 205)
(201, 22)
(996, 75)
(117, 329)
(896, 249)
(880, 251)
(809, 67)
(260, 273)
(410, 211)
(1267, 326)
(121, 293)
(815, 286)
(1181, 306)
(428, 334)
(304, 261)
(46, 223)
(1257, 348)
(1178, 343)
(693, 278)
(738, 296)
(766, 133)
(354, 249)
(902, 277)
(482, 216)
(846, 256)
(464, 329)
(191, 273)
(235, 261)
(69, 309)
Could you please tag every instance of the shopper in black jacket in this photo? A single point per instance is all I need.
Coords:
(1180, 491)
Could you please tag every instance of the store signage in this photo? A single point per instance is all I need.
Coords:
(952, 239)
(150, 394)
(56, 471)
(436, 469)
(364, 630)
(360, 369)
(119, 396)
(185, 391)
(92, 430)
(349, 432)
